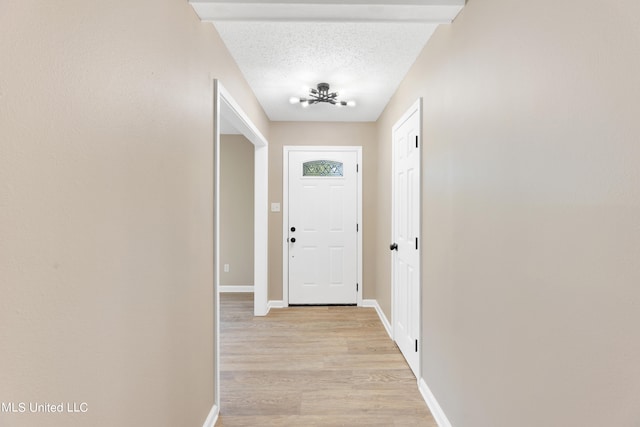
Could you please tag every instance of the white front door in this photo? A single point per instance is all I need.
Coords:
(322, 228)
(406, 233)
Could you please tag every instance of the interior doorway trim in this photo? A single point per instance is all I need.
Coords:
(229, 108)
(225, 105)
(285, 213)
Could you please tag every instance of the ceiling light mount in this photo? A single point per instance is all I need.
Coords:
(321, 94)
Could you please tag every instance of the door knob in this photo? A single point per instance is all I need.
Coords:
(293, 229)
(293, 240)
(394, 247)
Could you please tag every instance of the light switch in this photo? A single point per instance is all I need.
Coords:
(275, 207)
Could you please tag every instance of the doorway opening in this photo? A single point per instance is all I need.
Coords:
(227, 109)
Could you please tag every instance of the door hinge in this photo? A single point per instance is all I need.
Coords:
(416, 141)
(357, 287)
(357, 167)
(416, 346)
(416, 243)
(357, 228)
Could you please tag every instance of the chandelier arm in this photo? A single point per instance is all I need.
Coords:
(322, 94)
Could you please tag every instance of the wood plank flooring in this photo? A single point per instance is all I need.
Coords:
(313, 366)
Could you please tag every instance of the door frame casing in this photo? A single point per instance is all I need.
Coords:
(416, 108)
(227, 106)
(285, 213)
(224, 104)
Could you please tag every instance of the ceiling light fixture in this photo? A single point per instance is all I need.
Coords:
(321, 94)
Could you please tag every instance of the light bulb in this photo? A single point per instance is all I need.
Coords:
(304, 103)
(351, 103)
(294, 100)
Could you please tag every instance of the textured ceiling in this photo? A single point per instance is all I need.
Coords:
(363, 49)
(364, 62)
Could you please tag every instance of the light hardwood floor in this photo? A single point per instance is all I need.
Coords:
(313, 366)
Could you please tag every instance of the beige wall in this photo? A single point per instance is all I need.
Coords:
(320, 133)
(106, 183)
(531, 200)
(236, 209)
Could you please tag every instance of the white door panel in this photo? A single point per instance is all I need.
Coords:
(406, 233)
(322, 219)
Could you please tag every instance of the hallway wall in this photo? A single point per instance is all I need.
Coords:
(106, 209)
(322, 133)
(236, 210)
(531, 213)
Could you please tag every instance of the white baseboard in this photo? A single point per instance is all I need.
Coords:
(385, 322)
(212, 417)
(432, 403)
(234, 288)
(275, 304)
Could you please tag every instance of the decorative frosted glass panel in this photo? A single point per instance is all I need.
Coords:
(322, 168)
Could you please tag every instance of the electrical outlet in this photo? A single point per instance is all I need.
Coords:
(226, 268)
